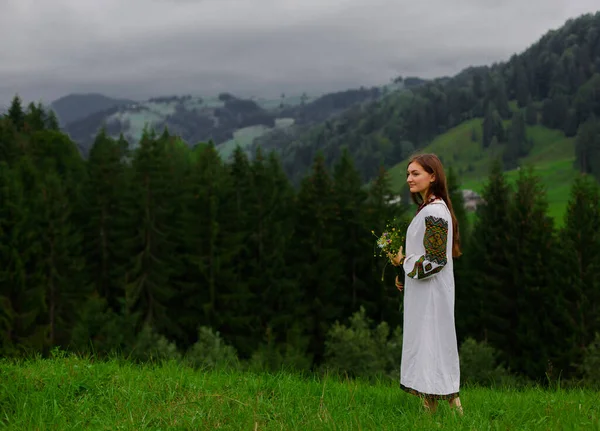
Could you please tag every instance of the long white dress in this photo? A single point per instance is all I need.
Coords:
(430, 364)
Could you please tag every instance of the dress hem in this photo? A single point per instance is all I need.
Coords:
(429, 396)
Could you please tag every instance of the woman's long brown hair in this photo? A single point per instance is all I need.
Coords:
(439, 188)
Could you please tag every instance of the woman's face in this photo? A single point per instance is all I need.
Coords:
(418, 179)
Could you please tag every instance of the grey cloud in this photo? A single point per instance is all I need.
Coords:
(144, 48)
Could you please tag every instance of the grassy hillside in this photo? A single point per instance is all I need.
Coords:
(72, 393)
(244, 137)
(552, 156)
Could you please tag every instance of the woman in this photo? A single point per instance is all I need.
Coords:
(430, 365)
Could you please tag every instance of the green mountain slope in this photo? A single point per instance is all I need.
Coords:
(555, 83)
(552, 157)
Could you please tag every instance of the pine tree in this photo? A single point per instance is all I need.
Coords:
(16, 114)
(353, 235)
(587, 147)
(485, 302)
(532, 260)
(501, 101)
(243, 189)
(577, 285)
(52, 122)
(59, 265)
(176, 204)
(35, 117)
(148, 286)
(55, 152)
(461, 264)
(12, 272)
(105, 220)
(488, 126)
(237, 297)
(269, 247)
(9, 148)
(198, 294)
(282, 247)
(517, 145)
(213, 244)
(22, 256)
(521, 85)
(45, 267)
(318, 261)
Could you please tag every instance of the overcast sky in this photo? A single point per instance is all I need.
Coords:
(144, 48)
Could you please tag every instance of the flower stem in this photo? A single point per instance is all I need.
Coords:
(383, 272)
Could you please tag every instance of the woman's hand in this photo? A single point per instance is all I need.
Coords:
(399, 285)
(397, 260)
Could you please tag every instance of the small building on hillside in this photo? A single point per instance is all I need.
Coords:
(472, 199)
(394, 199)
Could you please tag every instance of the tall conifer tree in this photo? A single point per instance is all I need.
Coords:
(485, 304)
(318, 260)
(532, 261)
(353, 236)
(577, 285)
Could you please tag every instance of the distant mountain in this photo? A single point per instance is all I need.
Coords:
(78, 106)
(194, 119)
(227, 120)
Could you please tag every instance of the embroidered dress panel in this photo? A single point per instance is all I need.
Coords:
(435, 242)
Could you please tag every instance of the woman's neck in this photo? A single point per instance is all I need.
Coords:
(431, 198)
(426, 196)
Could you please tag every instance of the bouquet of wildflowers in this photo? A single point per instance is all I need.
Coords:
(390, 241)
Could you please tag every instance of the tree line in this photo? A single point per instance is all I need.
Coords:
(166, 239)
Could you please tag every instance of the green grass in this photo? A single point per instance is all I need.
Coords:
(73, 393)
(552, 157)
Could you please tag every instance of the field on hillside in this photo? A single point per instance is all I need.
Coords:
(73, 393)
(245, 137)
(552, 157)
